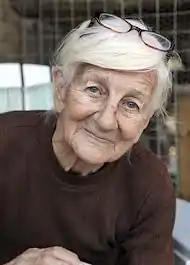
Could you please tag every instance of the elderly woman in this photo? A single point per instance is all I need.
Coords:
(75, 184)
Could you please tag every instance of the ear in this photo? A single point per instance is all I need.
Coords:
(59, 89)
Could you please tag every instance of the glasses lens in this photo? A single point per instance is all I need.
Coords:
(115, 23)
(155, 40)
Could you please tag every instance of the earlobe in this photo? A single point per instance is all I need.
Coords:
(59, 89)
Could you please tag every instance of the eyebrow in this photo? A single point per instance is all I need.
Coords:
(134, 92)
(91, 75)
(95, 76)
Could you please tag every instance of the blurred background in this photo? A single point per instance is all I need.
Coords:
(30, 31)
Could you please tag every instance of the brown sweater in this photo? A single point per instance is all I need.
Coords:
(123, 214)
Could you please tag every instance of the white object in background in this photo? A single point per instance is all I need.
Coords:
(35, 74)
(10, 75)
(181, 233)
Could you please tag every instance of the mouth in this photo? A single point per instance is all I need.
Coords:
(96, 137)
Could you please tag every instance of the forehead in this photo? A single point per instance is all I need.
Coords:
(125, 79)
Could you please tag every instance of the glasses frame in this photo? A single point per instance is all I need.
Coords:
(131, 27)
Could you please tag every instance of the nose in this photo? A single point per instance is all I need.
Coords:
(107, 118)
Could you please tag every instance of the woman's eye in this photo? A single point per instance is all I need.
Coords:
(93, 90)
(131, 105)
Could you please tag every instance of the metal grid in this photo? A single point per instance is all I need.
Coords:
(40, 25)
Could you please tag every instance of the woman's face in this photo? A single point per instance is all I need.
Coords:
(105, 112)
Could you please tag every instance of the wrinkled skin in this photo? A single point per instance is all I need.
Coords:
(102, 114)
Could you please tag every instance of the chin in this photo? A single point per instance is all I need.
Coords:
(92, 152)
(94, 157)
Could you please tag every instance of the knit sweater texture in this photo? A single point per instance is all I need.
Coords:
(122, 214)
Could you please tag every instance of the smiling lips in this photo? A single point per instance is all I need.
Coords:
(97, 137)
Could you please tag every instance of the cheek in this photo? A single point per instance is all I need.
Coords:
(77, 109)
(80, 106)
(131, 128)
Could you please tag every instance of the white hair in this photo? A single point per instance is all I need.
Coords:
(105, 48)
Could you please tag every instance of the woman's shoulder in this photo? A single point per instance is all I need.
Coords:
(146, 177)
(145, 159)
(144, 171)
(18, 127)
(20, 118)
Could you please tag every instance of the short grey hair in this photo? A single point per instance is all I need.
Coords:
(105, 48)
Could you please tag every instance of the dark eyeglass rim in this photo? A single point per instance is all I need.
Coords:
(132, 27)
